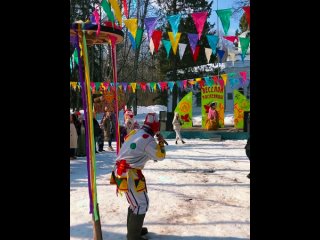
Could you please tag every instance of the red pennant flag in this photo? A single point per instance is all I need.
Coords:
(215, 79)
(231, 38)
(201, 83)
(163, 85)
(196, 53)
(244, 76)
(106, 84)
(156, 38)
(143, 86)
(247, 11)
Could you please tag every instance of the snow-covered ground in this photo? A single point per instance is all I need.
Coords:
(199, 192)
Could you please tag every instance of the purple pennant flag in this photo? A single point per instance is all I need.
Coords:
(124, 86)
(179, 84)
(193, 40)
(150, 25)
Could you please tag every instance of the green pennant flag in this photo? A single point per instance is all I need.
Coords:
(107, 9)
(167, 45)
(184, 108)
(224, 15)
(138, 36)
(244, 43)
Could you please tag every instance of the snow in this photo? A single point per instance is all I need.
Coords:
(200, 191)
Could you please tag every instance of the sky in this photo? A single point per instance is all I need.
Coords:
(223, 4)
(198, 192)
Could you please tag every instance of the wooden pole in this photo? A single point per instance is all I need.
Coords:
(97, 233)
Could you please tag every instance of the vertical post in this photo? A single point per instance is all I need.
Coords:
(115, 79)
(97, 233)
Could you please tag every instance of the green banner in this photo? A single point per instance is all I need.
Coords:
(241, 104)
(184, 108)
(209, 95)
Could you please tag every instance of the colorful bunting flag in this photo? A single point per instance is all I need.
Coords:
(224, 15)
(199, 19)
(174, 41)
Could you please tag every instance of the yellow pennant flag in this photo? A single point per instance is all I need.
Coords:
(174, 41)
(192, 82)
(198, 79)
(133, 85)
(224, 77)
(132, 25)
(116, 9)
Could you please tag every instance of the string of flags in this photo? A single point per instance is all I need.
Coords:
(155, 37)
(232, 78)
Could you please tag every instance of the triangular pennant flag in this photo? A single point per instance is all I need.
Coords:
(167, 46)
(201, 83)
(225, 78)
(196, 54)
(215, 79)
(231, 38)
(143, 86)
(232, 74)
(179, 84)
(138, 37)
(132, 25)
(156, 37)
(163, 85)
(209, 81)
(133, 86)
(159, 86)
(233, 82)
(133, 42)
(174, 41)
(107, 9)
(148, 86)
(97, 86)
(247, 11)
(244, 43)
(221, 83)
(244, 76)
(170, 85)
(152, 84)
(220, 54)
(182, 48)
(213, 41)
(151, 45)
(150, 23)
(174, 21)
(193, 40)
(224, 15)
(106, 85)
(116, 9)
(192, 82)
(199, 19)
(185, 82)
(208, 52)
(155, 87)
(125, 8)
(124, 86)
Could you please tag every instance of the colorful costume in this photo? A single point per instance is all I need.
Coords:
(139, 147)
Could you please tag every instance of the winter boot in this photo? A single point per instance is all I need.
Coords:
(144, 230)
(183, 142)
(135, 226)
(176, 141)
